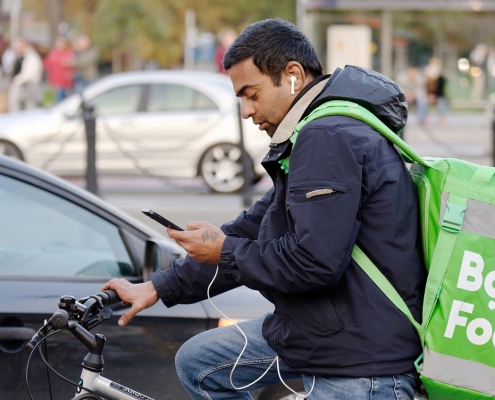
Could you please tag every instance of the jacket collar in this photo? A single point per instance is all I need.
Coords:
(286, 127)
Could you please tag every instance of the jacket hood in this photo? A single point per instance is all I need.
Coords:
(369, 89)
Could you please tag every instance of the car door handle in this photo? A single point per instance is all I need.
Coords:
(16, 333)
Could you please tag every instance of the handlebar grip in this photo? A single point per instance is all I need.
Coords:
(109, 297)
(58, 320)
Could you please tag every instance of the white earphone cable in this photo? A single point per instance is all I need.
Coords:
(276, 359)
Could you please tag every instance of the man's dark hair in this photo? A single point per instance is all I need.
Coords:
(273, 43)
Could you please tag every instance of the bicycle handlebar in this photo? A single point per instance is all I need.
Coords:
(109, 297)
(87, 312)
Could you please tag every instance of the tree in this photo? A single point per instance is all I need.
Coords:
(127, 31)
(154, 29)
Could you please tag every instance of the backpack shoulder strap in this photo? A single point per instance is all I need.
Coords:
(382, 282)
(353, 110)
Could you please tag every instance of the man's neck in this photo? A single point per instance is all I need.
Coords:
(297, 108)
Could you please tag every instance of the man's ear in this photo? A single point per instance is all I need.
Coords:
(294, 76)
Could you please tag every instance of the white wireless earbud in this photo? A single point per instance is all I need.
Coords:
(293, 79)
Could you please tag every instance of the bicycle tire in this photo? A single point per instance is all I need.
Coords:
(88, 396)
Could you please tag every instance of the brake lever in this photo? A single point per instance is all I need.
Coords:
(97, 319)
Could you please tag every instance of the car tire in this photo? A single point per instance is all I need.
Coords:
(11, 150)
(280, 392)
(222, 170)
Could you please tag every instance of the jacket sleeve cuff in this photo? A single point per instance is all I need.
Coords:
(227, 258)
(159, 281)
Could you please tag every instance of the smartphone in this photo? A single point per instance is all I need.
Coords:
(158, 218)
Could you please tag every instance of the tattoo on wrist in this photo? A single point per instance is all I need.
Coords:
(209, 236)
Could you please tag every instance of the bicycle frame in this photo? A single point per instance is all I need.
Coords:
(97, 383)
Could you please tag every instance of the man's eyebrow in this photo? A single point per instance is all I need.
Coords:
(243, 89)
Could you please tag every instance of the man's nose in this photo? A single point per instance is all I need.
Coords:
(247, 110)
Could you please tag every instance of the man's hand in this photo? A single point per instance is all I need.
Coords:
(140, 296)
(202, 241)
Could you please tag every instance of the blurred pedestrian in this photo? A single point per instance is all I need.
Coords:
(490, 67)
(85, 62)
(59, 66)
(412, 82)
(435, 87)
(24, 88)
(227, 37)
(477, 57)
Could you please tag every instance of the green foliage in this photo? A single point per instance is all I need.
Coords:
(154, 29)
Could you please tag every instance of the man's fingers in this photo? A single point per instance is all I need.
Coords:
(109, 285)
(173, 233)
(193, 225)
(128, 315)
(116, 284)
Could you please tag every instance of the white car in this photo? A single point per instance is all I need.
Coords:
(155, 123)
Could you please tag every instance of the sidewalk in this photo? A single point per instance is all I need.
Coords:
(466, 136)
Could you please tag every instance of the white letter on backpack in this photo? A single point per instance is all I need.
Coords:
(469, 271)
(454, 317)
(489, 280)
(486, 331)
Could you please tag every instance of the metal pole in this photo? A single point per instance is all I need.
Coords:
(301, 14)
(189, 40)
(247, 200)
(15, 24)
(90, 126)
(493, 135)
(386, 44)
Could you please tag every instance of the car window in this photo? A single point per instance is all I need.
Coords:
(168, 97)
(121, 100)
(45, 235)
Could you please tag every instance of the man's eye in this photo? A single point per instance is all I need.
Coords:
(253, 97)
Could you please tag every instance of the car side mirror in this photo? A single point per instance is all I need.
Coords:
(158, 255)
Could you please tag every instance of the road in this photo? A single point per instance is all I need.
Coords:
(465, 135)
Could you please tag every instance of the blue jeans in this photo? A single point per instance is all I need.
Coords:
(60, 94)
(204, 364)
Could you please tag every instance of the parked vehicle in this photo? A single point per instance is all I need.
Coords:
(154, 123)
(57, 239)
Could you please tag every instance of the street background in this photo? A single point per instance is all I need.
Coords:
(466, 135)
(129, 100)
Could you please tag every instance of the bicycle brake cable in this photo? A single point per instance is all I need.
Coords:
(47, 370)
(29, 359)
(56, 372)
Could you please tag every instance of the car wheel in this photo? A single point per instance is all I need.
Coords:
(11, 150)
(221, 168)
(280, 392)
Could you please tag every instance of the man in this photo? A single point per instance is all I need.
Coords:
(24, 89)
(346, 185)
(59, 68)
(85, 62)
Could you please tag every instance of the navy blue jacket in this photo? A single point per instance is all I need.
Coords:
(294, 245)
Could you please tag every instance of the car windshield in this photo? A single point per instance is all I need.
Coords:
(45, 235)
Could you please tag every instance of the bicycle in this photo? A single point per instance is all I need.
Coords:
(79, 317)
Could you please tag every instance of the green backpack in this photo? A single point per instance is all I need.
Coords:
(457, 213)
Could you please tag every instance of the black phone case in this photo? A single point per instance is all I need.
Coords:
(158, 218)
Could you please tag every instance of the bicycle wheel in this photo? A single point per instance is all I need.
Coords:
(88, 396)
